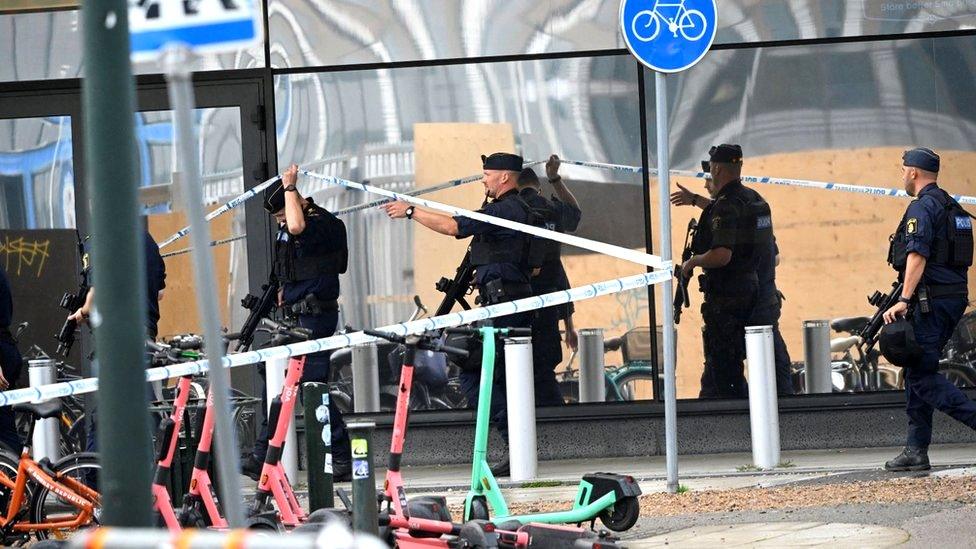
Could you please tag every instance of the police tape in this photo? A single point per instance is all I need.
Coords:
(450, 320)
(804, 183)
(426, 190)
(212, 243)
(612, 250)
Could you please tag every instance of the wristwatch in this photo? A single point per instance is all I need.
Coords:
(902, 299)
(290, 188)
(409, 212)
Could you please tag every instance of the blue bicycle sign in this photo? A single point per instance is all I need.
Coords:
(668, 35)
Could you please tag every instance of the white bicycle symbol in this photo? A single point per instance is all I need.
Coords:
(690, 23)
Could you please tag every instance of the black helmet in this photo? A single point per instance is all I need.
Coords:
(898, 344)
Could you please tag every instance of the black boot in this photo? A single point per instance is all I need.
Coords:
(251, 467)
(341, 470)
(910, 459)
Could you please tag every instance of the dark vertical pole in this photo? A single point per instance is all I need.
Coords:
(119, 265)
(364, 504)
(318, 445)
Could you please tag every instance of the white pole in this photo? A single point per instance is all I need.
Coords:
(520, 390)
(46, 434)
(274, 379)
(592, 386)
(664, 209)
(763, 412)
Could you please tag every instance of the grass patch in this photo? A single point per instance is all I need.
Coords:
(786, 464)
(682, 489)
(747, 468)
(540, 484)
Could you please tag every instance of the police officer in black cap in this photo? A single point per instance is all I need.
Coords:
(732, 230)
(932, 250)
(769, 301)
(560, 213)
(310, 253)
(500, 257)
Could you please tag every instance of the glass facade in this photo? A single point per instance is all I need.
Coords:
(399, 93)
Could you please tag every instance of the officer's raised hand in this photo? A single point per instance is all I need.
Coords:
(290, 177)
(552, 167)
(899, 309)
(684, 197)
(396, 210)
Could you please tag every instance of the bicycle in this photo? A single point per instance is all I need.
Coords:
(684, 20)
(631, 380)
(63, 497)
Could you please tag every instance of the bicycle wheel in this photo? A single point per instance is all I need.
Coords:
(635, 385)
(46, 506)
(652, 23)
(692, 25)
(8, 464)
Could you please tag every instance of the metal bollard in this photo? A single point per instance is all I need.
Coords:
(318, 445)
(592, 387)
(274, 378)
(364, 505)
(47, 437)
(365, 378)
(816, 356)
(520, 393)
(763, 411)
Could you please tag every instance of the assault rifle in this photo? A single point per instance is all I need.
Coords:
(260, 308)
(681, 297)
(455, 290)
(869, 334)
(74, 301)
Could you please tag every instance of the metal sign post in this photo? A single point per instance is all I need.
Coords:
(667, 36)
(173, 30)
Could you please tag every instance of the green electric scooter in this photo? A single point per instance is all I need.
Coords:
(609, 496)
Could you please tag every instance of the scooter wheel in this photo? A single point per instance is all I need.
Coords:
(622, 516)
(262, 523)
(479, 509)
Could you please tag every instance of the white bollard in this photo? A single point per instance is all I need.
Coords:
(274, 378)
(365, 378)
(47, 437)
(520, 391)
(592, 385)
(763, 411)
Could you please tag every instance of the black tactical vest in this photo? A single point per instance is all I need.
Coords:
(525, 251)
(952, 237)
(331, 258)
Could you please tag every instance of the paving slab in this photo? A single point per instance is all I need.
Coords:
(778, 534)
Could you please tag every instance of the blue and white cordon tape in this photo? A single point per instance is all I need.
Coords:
(589, 291)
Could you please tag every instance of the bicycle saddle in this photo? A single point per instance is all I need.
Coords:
(841, 344)
(42, 410)
(850, 324)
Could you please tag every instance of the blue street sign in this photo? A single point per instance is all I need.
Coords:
(204, 25)
(668, 35)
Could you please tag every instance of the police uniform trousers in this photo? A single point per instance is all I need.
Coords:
(316, 370)
(925, 388)
(547, 353)
(12, 363)
(723, 338)
(767, 313)
(471, 379)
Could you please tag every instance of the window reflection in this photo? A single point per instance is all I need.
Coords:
(37, 187)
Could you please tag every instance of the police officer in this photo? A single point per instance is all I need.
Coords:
(932, 250)
(10, 366)
(560, 213)
(310, 253)
(769, 303)
(732, 229)
(500, 257)
(155, 285)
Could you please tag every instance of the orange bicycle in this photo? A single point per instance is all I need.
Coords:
(44, 500)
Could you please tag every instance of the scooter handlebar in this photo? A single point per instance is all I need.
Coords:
(460, 353)
(385, 335)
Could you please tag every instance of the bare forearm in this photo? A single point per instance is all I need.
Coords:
(563, 193)
(440, 223)
(715, 258)
(294, 216)
(913, 274)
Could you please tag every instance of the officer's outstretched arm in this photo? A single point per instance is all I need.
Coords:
(441, 223)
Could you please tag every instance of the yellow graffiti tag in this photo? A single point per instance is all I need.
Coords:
(24, 255)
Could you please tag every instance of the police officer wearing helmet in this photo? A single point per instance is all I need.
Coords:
(501, 258)
(932, 250)
(310, 252)
(560, 213)
(732, 230)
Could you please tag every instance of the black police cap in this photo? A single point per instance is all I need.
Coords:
(527, 177)
(502, 161)
(922, 158)
(274, 197)
(898, 344)
(724, 153)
